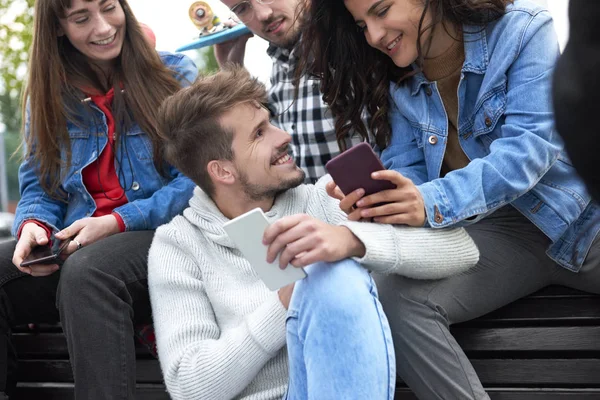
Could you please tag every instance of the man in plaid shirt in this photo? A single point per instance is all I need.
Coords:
(306, 117)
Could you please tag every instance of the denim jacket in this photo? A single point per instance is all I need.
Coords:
(153, 199)
(505, 127)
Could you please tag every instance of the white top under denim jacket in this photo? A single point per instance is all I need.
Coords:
(220, 332)
(153, 199)
(505, 127)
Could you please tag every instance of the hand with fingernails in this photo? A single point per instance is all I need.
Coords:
(231, 51)
(403, 205)
(32, 235)
(82, 233)
(86, 231)
(302, 240)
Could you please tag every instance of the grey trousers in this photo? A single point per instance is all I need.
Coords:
(98, 294)
(513, 264)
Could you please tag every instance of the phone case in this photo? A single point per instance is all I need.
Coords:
(247, 231)
(40, 255)
(352, 170)
(44, 255)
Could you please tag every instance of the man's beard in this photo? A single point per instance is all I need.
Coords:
(258, 192)
(290, 39)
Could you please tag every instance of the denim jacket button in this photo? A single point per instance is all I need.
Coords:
(488, 121)
(437, 215)
(428, 91)
(432, 139)
(135, 186)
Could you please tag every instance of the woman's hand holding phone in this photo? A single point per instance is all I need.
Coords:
(88, 230)
(403, 205)
(32, 236)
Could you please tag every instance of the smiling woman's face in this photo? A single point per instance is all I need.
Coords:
(391, 26)
(95, 28)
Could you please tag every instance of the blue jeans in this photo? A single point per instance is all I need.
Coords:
(338, 338)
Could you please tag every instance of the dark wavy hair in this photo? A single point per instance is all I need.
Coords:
(355, 76)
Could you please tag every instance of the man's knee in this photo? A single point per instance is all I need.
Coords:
(341, 285)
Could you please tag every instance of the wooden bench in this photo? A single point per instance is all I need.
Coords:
(545, 346)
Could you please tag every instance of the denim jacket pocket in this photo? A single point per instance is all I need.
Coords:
(79, 140)
(489, 111)
(140, 144)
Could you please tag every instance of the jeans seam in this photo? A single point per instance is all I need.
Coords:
(124, 371)
(429, 305)
(390, 365)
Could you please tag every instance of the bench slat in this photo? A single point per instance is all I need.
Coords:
(54, 345)
(147, 371)
(554, 339)
(64, 391)
(553, 310)
(564, 373)
(523, 394)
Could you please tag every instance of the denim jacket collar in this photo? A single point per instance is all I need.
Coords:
(476, 51)
(476, 56)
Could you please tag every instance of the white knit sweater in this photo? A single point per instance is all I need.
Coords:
(220, 332)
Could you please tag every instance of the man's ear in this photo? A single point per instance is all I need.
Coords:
(222, 172)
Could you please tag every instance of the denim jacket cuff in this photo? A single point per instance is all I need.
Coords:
(437, 206)
(20, 222)
(132, 217)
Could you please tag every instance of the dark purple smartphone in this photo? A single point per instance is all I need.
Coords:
(44, 255)
(352, 170)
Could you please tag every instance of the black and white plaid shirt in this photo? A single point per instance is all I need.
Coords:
(306, 118)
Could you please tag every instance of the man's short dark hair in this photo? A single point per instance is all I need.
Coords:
(189, 121)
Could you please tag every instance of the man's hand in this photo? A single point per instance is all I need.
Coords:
(88, 230)
(285, 295)
(303, 240)
(404, 204)
(32, 235)
(231, 51)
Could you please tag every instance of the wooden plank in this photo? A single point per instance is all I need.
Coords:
(147, 371)
(557, 290)
(54, 345)
(523, 394)
(54, 391)
(527, 339)
(551, 310)
(562, 339)
(492, 372)
(565, 373)
(64, 391)
(536, 373)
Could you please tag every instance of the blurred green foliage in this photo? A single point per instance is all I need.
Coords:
(16, 33)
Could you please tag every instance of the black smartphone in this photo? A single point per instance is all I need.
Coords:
(44, 255)
(352, 170)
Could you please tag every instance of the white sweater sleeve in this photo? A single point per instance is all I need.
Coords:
(197, 359)
(419, 253)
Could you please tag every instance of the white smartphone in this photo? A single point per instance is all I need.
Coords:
(247, 231)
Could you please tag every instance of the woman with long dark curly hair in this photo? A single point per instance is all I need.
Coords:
(459, 94)
(94, 183)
